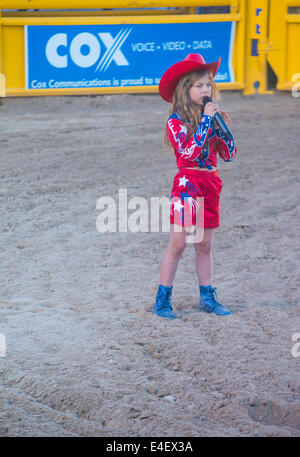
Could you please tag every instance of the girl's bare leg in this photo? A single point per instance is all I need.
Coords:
(172, 255)
(203, 261)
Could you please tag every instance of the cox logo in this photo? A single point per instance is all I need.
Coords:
(85, 50)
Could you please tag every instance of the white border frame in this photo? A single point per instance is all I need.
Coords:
(231, 44)
(26, 55)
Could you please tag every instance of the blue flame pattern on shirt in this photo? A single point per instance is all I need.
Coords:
(198, 147)
(203, 130)
(228, 146)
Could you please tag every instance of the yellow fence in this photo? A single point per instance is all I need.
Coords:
(273, 36)
(266, 31)
(283, 53)
(112, 4)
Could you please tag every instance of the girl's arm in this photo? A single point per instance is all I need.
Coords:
(191, 148)
(226, 148)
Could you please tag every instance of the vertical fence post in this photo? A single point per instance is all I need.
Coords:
(2, 76)
(278, 38)
(256, 47)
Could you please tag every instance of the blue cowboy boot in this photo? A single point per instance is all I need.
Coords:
(208, 302)
(163, 305)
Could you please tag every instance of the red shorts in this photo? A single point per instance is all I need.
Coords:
(195, 198)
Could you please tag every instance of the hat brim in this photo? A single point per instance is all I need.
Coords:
(171, 77)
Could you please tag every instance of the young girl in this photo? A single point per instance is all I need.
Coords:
(192, 132)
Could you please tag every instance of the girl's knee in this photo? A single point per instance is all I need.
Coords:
(177, 246)
(177, 242)
(203, 247)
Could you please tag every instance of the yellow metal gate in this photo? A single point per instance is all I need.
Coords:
(266, 31)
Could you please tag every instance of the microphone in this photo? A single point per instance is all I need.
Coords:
(219, 120)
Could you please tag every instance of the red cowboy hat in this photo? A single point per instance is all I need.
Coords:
(192, 62)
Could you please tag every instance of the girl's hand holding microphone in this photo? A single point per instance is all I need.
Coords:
(211, 108)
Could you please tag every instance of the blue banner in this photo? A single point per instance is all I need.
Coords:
(120, 55)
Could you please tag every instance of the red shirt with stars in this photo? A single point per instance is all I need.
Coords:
(202, 148)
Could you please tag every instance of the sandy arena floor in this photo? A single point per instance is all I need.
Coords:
(85, 356)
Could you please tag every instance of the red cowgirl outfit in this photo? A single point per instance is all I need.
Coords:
(198, 151)
(193, 186)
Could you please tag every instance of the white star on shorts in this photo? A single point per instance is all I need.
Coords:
(178, 205)
(183, 181)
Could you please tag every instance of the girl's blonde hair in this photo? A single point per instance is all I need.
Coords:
(183, 105)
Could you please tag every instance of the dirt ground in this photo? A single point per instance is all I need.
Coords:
(85, 356)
